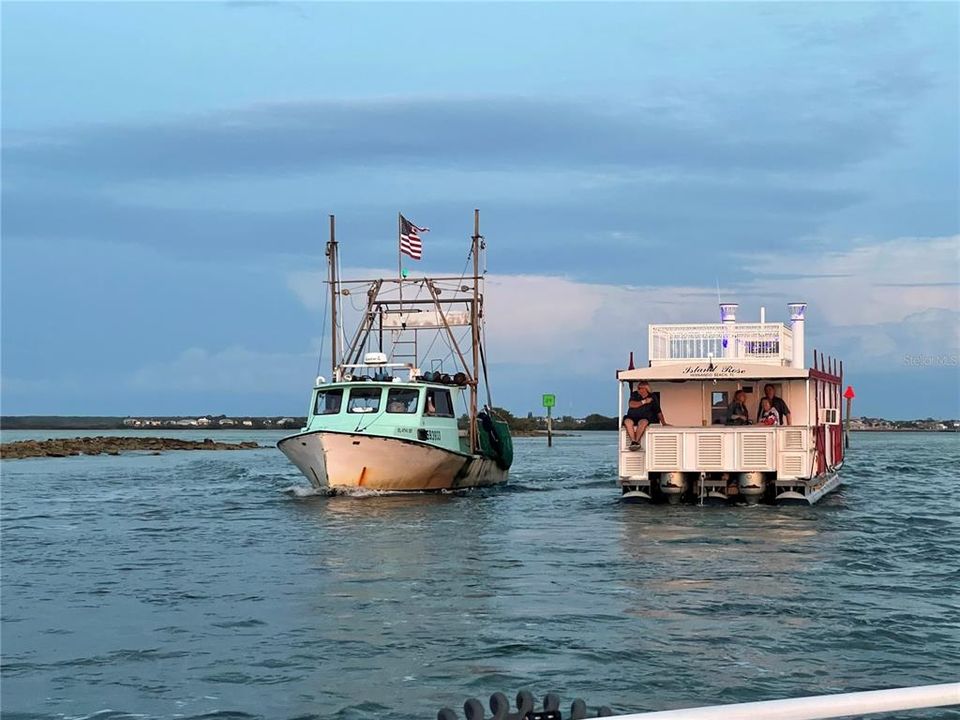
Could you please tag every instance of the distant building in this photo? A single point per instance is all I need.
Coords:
(247, 423)
(226, 422)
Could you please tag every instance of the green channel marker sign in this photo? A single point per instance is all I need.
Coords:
(549, 401)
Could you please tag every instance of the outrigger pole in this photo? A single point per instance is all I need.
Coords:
(474, 318)
(332, 262)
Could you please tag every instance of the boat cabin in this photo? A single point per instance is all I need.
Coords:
(372, 400)
(706, 448)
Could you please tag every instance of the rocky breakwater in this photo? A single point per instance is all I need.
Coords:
(107, 445)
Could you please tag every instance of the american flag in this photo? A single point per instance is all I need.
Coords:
(410, 243)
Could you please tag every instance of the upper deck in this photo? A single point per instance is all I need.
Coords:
(762, 343)
(766, 343)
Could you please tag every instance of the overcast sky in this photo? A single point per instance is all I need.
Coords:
(168, 170)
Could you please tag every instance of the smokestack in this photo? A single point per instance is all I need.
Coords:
(797, 311)
(728, 316)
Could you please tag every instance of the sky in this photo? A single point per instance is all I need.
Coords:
(168, 170)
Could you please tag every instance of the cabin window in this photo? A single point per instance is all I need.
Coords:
(439, 403)
(364, 400)
(402, 400)
(719, 401)
(328, 402)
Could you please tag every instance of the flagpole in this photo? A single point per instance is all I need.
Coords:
(400, 257)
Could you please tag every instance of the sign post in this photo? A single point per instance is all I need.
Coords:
(849, 395)
(549, 401)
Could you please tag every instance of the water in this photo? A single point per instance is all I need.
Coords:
(189, 583)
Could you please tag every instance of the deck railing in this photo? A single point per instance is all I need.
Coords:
(819, 706)
(815, 707)
(759, 342)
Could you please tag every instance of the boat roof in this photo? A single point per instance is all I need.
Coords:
(717, 370)
(390, 383)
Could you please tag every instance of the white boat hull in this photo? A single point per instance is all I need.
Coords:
(816, 489)
(335, 460)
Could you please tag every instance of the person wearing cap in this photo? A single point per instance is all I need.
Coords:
(643, 409)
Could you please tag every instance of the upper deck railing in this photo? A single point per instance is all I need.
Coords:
(770, 343)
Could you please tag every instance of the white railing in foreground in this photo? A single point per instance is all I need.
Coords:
(819, 706)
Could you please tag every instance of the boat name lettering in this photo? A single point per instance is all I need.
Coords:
(404, 431)
(715, 370)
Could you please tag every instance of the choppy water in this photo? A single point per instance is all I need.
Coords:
(189, 583)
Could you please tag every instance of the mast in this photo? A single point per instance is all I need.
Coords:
(332, 274)
(400, 257)
(474, 330)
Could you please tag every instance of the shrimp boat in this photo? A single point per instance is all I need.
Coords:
(695, 371)
(388, 418)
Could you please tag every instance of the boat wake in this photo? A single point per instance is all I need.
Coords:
(302, 491)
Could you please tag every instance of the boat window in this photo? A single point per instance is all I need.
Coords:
(718, 407)
(438, 403)
(364, 400)
(328, 402)
(402, 400)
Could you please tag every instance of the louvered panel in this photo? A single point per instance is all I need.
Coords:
(754, 452)
(791, 466)
(633, 464)
(791, 439)
(665, 451)
(709, 451)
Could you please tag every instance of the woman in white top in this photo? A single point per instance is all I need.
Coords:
(768, 413)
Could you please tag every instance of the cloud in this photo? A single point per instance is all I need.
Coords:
(872, 283)
(695, 224)
(489, 132)
(232, 369)
(540, 320)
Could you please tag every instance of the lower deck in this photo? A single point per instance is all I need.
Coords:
(732, 463)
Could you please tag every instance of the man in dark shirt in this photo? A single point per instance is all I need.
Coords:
(779, 405)
(642, 410)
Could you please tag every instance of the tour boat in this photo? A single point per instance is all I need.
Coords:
(696, 456)
(387, 420)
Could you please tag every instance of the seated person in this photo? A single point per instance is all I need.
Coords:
(642, 410)
(737, 412)
(768, 413)
(783, 412)
(430, 408)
